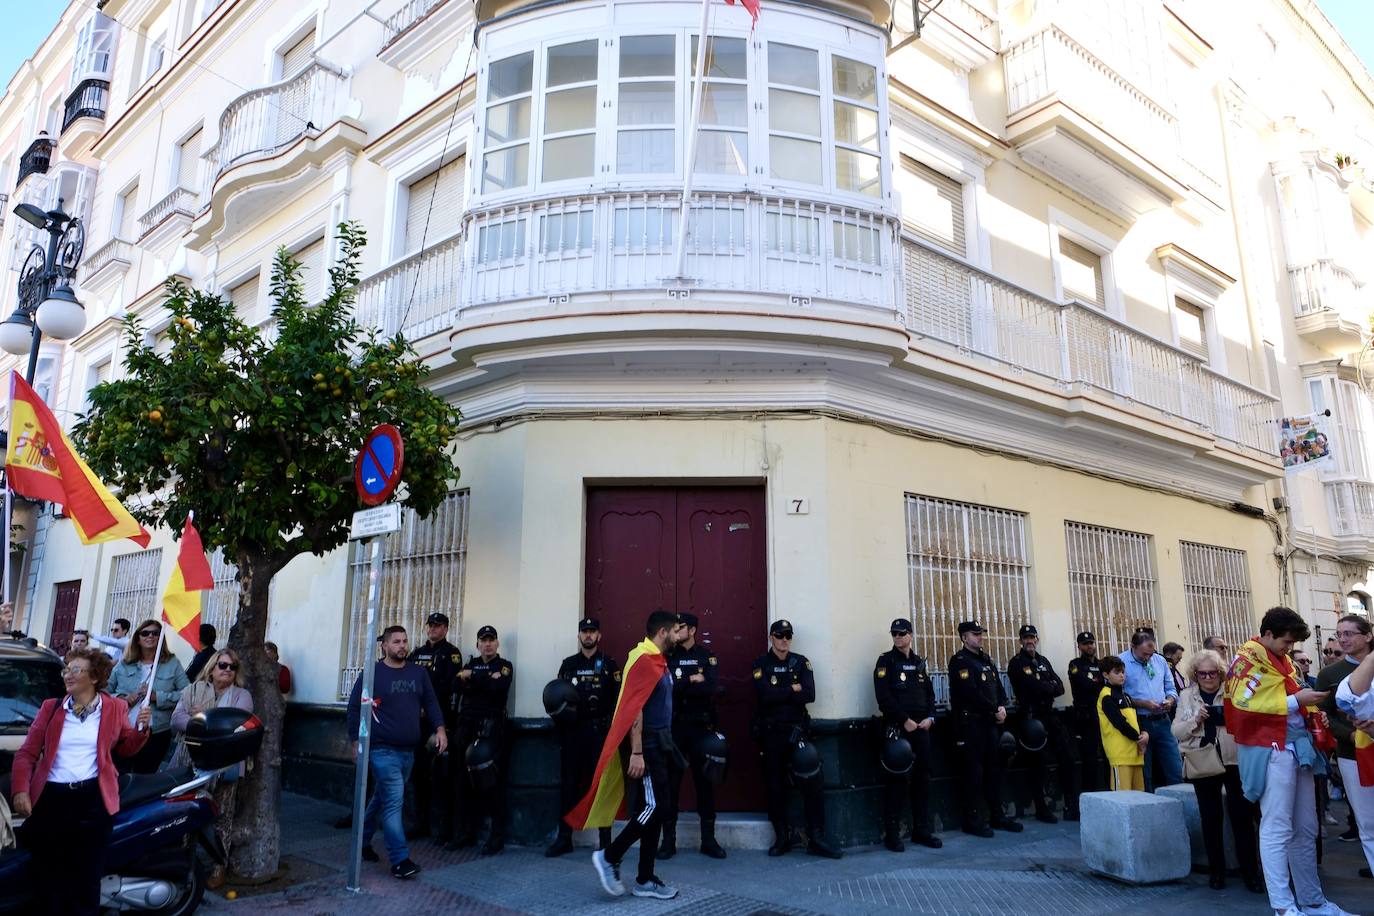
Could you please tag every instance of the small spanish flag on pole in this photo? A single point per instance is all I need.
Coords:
(190, 577)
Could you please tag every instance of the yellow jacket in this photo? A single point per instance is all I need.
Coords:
(1121, 751)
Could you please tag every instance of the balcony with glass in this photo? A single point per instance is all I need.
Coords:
(83, 113)
(1349, 481)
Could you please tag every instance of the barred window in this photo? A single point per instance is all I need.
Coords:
(1111, 584)
(221, 608)
(134, 587)
(1216, 587)
(965, 562)
(423, 570)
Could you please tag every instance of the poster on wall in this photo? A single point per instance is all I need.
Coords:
(1305, 442)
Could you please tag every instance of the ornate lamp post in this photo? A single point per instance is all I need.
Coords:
(47, 304)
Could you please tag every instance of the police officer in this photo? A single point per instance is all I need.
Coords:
(483, 686)
(906, 700)
(783, 685)
(978, 703)
(695, 680)
(430, 777)
(596, 676)
(1036, 685)
(1086, 682)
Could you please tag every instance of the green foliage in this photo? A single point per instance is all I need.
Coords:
(258, 434)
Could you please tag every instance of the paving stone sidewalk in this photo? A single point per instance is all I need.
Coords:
(1036, 872)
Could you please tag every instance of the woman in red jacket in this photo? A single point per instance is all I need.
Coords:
(66, 785)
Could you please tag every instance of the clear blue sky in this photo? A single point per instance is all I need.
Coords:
(1355, 20)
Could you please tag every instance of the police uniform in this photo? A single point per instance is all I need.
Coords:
(597, 681)
(482, 714)
(694, 717)
(1036, 686)
(975, 693)
(780, 718)
(1086, 683)
(429, 775)
(904, 691)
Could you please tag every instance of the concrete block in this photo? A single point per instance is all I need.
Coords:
(1130, 836)
(1187, 796)
(733, 831)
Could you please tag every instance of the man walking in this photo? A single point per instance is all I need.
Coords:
(1085, 680)
(400, 692)
(1037, 685)
(906, 700)
(644, 714)
(483, 687)
(695, 678)
(441, 659)
(596, 678)
(1151, 689)
(978, 702)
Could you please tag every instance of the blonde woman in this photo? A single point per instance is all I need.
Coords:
(130, 682)
(220, 684)
(1200, 728)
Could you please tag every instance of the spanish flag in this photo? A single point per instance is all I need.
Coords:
(1256, 696)
(1364, 758)
(190, 577)
(605, 799)
(42, 464)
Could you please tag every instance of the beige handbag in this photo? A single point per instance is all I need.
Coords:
(1201, 762)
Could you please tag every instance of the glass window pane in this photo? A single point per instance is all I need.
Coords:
(793, 66)
(722, 153)
(789, 233)
(643, 152)
(794, 112)
(644, 227)
(794, 160)
(648, 55)
(508, 168)
(857, 172)
(647, 103)
(569, 157)
(508, 121)
(856, 126)
(725, 104)
(855, 80)
(572, 63)
(571, 109)
(725, 58)
(855, 243)
(510, 76)
(710, 229)
(501, 240)
(566, 231)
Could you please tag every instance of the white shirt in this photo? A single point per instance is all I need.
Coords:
(76, 750)
(1355, 705)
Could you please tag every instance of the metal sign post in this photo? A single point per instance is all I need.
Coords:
(374, 581)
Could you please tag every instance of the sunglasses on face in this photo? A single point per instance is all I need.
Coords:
(1331, 652)
(1209, 674)
(147, 634)
(227, 666)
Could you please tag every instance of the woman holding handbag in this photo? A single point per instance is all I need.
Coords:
(1209, 766)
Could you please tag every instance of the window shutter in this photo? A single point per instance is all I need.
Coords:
(1081, 272)
(295, 58)
(128, 216)
(188, 165)
(933, 206)
(1192, 329)
(245, 299)
(445, 185)
(312, 270)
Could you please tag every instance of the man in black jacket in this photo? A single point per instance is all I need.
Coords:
(1086, 683)
(978, 703)
(695, 679)
(1036, 685)
(430, 777)
(906, 699)
(483, 687)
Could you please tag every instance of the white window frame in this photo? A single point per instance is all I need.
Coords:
(154, 49)
(322, 235)
(179, 152)
(123, 198)
(242, 277)
(310, 19)
(1216, 356)
(428, 157)
(1079, 232)
(1115, 621)
(95, 365)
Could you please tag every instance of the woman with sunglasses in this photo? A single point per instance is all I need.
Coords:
(220, 684)
(1210, 764)
(66, 785)
(130, 682)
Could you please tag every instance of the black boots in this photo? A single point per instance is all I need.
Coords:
(1045, 814)
(562, 844)
(818, 846)
(782, 841)
(667, 848)
(709, 846)
(892, 839)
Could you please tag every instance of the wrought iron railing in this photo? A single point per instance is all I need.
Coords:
(90, 99)
(35, 159)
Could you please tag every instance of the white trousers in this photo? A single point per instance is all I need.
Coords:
(1361, 800)
(1288, 834)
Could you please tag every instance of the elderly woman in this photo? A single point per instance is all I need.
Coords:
(1209, 755)
(220, 684)
(130, 682)
(65, 783)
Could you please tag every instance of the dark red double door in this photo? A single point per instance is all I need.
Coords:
(700, 550)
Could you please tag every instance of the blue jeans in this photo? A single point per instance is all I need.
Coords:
(1162, 749)
(390, 770)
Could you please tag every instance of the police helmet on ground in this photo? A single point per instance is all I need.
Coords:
(715, 755)
(805, 762)
(1033, 735)
(481, 761)
(1006, 745)
(560, 700)
(896, 756)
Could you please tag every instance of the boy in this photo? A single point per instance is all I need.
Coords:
(1122, 738)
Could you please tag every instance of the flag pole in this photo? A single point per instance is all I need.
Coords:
(152, 672)
(698, 97)
(9, 509)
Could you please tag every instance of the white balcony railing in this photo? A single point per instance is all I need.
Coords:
(179, 201)
(1324, 285)
(1051, 64)
(115, 249)
(410, 13)
(1352, 507)
(952, 301)
(263, 121)
(418, 294)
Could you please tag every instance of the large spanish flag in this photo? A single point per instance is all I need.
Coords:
(42, 464)
(1256, 697)
(606, 798)
(1364, 758)
(190, 577)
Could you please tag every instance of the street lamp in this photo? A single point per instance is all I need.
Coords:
(47, 304)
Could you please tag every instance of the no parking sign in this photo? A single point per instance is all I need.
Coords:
(379, 465)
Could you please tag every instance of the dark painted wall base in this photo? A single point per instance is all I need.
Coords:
(316, 763)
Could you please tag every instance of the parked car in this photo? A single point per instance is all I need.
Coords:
(29, 674)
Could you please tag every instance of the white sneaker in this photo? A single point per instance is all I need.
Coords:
(608, 874)
(654, 888)
(1326, 909)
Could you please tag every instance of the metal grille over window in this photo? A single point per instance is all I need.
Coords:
(221, 607)
(1111, 584)
(1080, 272)
(423, 570)
(965, 562)
(134, 587)
(1216, 586)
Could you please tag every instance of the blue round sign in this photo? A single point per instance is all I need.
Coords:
(378, 468)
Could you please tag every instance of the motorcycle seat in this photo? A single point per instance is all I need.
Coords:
(137, 788)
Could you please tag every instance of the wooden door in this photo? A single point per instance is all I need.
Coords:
(700, 550)
(64, 615)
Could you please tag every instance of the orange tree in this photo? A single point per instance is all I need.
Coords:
(256, 432)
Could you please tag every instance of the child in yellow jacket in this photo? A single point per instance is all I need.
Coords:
(1122, 739)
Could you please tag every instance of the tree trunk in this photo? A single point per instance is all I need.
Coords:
(255, 840)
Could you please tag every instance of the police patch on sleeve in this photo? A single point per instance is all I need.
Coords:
(808, 664)
(506, 671)
(617, 677)
(758, 674)
(1027, 670)
(882, 672)
(963, 674)
(712, 660)
(1073, 667)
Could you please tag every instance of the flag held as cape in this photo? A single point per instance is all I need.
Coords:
(42, 463)
(1256, 696)
(190, 577)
